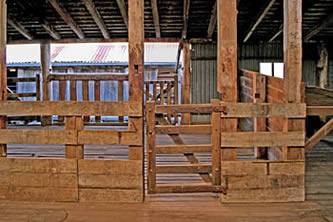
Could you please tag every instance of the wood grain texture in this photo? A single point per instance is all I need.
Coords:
(3, 69)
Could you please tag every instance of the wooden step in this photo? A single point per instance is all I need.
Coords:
(188, 188)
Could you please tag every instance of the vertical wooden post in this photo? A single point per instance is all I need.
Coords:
(161, 93)
(176, 97)
(322, 65)
(136, 70)
(121, 96)
(259, 96)
(97, 87)
(38, 96)
(151, 154)
(74, 151)
(85, 93)
(45, 66)
(292, 38)
(186, 81)
(62, 95)
(227, 64)
(216, 145)
(3, 68)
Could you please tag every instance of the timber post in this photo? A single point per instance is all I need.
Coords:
(186, 81)
(45, 63)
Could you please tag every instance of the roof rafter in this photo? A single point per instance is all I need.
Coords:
(212, 23)
(316, 29)
(277, 34)
(97, 18)
(259, 19)
(156, 18)
(123, 11)
(67, 18)
(19, 28)
(186, 16)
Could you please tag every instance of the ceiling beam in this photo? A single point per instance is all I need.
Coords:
(123, 11)
(156, 18)
(33, 12)
(212, 23)
(97, 18)
(259, 20)
(277, 34)
(67, 18)
(316, 29)
(186, 16)
(19, 28)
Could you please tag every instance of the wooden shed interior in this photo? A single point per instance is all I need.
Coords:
(250, 145)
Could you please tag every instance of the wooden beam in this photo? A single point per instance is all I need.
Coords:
(322, 65)
(186, 15)
(186, 81)
(71, 108)
(67, 18)
(188, 188)
(3, 68)
(185, 129)
(320, 134)
(45, 54)
(259, 19)
(91, 40)
(181, 149)
(262, 139)
(19, 28)
(277, 34)
(97, 18)
(227, 64)
(212, 22)
(123, 11)
(184, 169)
(292, 86)
(156, 18)
(136, 70)
(87, 77)
(316, 29)
(319, 110)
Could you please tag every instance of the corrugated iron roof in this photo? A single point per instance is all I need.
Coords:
(92, 53)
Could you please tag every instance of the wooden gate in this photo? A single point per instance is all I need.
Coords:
(221, 138)
(158, 123)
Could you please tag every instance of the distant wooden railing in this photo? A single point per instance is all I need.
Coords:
(73, 78)
(73, 136)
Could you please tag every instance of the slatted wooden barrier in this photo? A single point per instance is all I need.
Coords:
(18, 96)
(220, 140)
(85, 78)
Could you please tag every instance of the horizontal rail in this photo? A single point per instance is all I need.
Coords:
(181, 149)
(99, 137)
(72, 108)
(262, 139)
(69, 137)
(17, 95)
(38, 137)
(184, 169)
(14, 80)
(239, 110)
(265, 110)
(184, 129)
(188, 188)
(78, 77)
(319, 110)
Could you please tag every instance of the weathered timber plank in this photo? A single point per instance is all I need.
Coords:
(184, 129)
(265, 181)
(290, 194)
(151, 146)
(72, 108)
(264, 139)
(185, 168)
(86, 77)
(243, 168)
(110, 167)
(100, 137)
(109, 181)
(40, 165)
(181, 149)
(295, 168)
(187, 188)
(111, 195)
(244, 110)
(38, 136)
(319, 110)
(39, 194)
